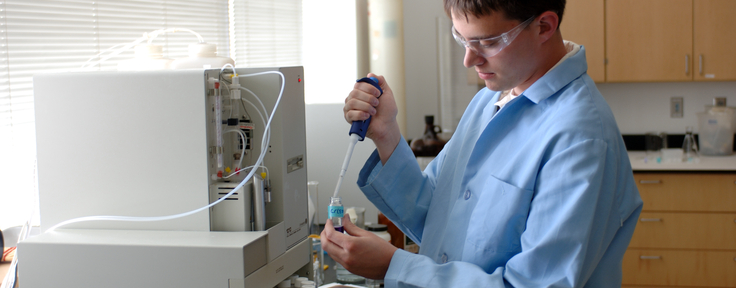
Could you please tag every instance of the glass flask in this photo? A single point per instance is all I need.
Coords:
(689, 147)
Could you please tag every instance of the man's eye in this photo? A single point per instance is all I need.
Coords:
(488, 43)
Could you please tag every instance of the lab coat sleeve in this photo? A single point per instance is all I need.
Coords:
(572, 223)
(400, 190)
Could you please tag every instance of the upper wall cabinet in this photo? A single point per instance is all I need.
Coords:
(714, 57)
(670, 40)
(649, 40)
(582, 23)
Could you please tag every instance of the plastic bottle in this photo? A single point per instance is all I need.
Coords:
(147, 57)
(285, 284)
(335, 213)
(202, 55)
(381, 230)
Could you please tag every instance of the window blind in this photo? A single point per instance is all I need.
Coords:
(41, 36)
(267, 33)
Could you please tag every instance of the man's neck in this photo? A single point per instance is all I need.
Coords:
(554, 53)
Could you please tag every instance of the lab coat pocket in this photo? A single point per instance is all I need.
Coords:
(497, 221)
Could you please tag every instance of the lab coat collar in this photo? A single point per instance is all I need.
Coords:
(558, 77)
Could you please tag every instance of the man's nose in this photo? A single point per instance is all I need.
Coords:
(472, 58)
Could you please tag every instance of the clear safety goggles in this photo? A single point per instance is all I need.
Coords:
(489, 47)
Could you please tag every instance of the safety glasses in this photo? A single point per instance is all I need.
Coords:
(489, 47)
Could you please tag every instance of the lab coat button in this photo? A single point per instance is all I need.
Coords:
(444, 258)
(467, 194)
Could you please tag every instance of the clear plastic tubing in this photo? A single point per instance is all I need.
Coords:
(218, 125)
(335, 213)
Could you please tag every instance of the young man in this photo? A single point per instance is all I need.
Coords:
(534, 189)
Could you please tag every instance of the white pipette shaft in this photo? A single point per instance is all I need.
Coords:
(354, 138)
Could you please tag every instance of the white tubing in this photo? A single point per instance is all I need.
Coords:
(242, 152)
(268, 174)
(146, 36)
(254, 95)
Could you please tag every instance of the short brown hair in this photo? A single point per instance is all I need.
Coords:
(511, 9)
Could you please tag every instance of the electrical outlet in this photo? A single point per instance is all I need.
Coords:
(676, 107)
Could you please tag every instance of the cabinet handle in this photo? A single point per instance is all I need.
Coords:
(655, 182)
(687, 64)
(652, 219)
(643, 257)
(700, 64)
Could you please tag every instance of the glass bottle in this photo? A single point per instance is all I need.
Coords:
(335, 213)
(689, 147)
(429, 144)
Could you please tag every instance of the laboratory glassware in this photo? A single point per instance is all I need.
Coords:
(689, 147)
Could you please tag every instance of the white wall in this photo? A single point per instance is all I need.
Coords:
(645, 107)
(327, 143)
(420, 56)
(329, 59)
(422, 69)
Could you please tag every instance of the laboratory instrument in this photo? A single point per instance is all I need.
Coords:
(147, 144)
(357, 133)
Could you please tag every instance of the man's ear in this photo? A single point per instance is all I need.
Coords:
(548, 22)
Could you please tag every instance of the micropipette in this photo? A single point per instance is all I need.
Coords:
(357, 133)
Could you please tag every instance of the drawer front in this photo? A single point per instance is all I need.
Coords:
(685, 230)
(637, 286)
(679, 268)
(711, 192)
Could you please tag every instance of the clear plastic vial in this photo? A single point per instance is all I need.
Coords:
(335, 213)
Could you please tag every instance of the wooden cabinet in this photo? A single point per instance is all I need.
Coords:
(714, 40)
(670, 40)
(583, 23)
(686, 235)
(649, 40)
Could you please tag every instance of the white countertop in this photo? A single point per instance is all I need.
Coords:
(705, 163)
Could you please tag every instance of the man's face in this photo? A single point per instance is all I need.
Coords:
(513, 65)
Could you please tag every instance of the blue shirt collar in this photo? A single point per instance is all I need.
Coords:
(557, 78)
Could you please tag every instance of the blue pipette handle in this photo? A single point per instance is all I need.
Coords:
(361, 127)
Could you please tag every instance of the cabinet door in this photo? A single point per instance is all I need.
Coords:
(714, 40)
(649, 40)
(679, 268)
(582, 23)
(673, 230)
(684, 192)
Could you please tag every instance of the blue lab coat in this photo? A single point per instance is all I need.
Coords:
(538, 194)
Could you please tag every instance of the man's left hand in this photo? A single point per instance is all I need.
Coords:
(361, 252)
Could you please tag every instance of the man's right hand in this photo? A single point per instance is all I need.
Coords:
(363, 102)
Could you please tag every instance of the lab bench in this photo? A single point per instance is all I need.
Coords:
(686, 235)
